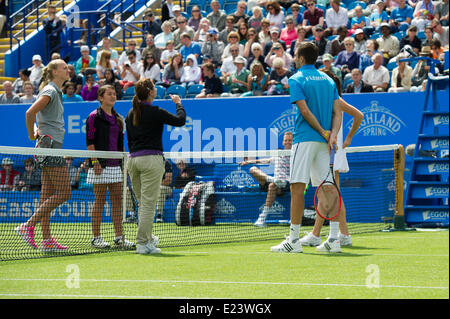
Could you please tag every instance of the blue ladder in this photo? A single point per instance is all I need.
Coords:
(427, 191)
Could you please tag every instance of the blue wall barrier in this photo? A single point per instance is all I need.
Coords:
(241, 123)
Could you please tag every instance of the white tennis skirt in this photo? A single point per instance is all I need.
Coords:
(109, 175)
(340, 159)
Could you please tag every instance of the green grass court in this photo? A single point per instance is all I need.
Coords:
(380, 265)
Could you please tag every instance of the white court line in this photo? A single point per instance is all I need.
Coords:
(218, 282)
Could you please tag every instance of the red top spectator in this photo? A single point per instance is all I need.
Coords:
(9, 176)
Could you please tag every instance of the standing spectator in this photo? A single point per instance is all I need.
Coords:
(237, 81)
(186, 174)
(162, 38)
(279, 76)
(124, 56)
(166, 10)
(337, 45)
(377, 75)
(192, 72)
(401, 76)
(389, 44)
(150, 68)
(440, 32)
(358, 86)
(105, 63)
(173, 71)
(190, 47)
(256, 19)
(168, 53)
(53, 28)
(106, 47)
(240, 14)
(289, 33)
(277, 51)
(69, 94)
(360, 41)
(212, 85)
(441, 12)
(275, 14)
(110, 79)
(336, 16)
(30, 179)
(131, 71)
(8, 175)
(312, 17)
(229, 27)
(216, 17)
(182, 28)
(36, 69)
(9, 97)
(150, 47)
(411, 39)
(90, 89)
(257, 80)
(28, 97)
(274, 38)
(85, 62)
(194, 20)
(213, 48)
(301, 37)
(151, 25)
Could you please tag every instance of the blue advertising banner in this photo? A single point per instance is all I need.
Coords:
(242, 123)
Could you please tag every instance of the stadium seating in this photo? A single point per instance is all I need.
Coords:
(193, 90)
(128, 94)
(175, 89)
(160, 92)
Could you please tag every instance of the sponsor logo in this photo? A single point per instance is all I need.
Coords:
(239, 178)
(224, 207)
(438, 168)
(431, 214)
(285, 122)
(439, 143)
(378, 121)
(276, 208)
(391, 185)
(440, 120)
(436, 191)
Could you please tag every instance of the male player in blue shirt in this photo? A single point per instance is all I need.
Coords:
(317, 124)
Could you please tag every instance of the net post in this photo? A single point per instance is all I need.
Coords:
(124, 187)
(399, 166)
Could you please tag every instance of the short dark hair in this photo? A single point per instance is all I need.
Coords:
(309, 51)
(209, 66)
(131, 52)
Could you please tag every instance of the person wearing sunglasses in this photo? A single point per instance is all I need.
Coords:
(275, 15)
(312, 17)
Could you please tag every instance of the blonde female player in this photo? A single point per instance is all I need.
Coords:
(340, 166)
(48, 111)
(104, 132)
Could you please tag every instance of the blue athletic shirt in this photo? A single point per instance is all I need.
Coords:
(319, 92)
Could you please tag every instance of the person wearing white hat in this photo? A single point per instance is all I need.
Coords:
(9, 176)
(360, 41)
(36, 69)
(86, 61)
(238, 80)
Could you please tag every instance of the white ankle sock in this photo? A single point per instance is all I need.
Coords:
(334, 230)
(294, 232)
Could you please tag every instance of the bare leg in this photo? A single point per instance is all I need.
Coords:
(297, 202)
(97, 209)
(271, 194)
(115, 194)
(258, 175)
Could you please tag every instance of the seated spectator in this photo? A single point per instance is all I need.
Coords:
(110, 79)
(377, 75)
(168, 53)
(132, 46)
(75, 78)
(358, 86)
(131, 71)
(411, 39)
(437, 50)
(377, 17)
(401, 76)
(150, 47)
(194, 20)
(348, 59)
(424, 7)
(165, 191)
(182, 28)
(440, 32)
(106, 47)
(359, 21)
(212, 86)
(296, 15)
(167, 10)
(69, 94)
(186, 174)
(401, 15)
(312, 17)
(264, 34)
(175, 13)
(239, 15)
(105, 63)
(428, 37)
(9, 97)
(337, 44)
(360, 41)
(421, 70)
(258, 80)
(36, 69)
(190, 47)
(150, 69)
(327, 61)
(279, 76)
(421, 21)
(233, 39)
(441, 12)
(237, 81)
(252, 39)
(30, 179)
(336, 16)
(301, 37)
(277, 51)
(9, 177)
(192, 72)
(242, 30)
(85, 62)
(274, 38)
(289, 33)
(212, 47)
(257, 56)
(256, 19)
(275, 14)
(24, 76)
(173, 71)
(320, 41)
(84, 34)
(202, 32)
(28, 96)
(162, 38)
(228, 65)
(229, 27)
(365, 59)
(389, 45)
(152, 25)
(90, 89)
(81, 177)
(216, 17)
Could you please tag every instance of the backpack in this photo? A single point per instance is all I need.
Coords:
(196, 205)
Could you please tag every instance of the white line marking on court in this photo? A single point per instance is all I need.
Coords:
(218, 282)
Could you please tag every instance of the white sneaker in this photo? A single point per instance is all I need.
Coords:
(155, 240)
(98, 242)
(331, 245)
(123, 242)
(345, 240)
(261, 222)
(147, 249)
(310, 240)
(288, 246)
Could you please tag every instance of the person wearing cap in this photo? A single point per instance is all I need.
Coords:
(420, 72)
(275, 14)
(240, 12)
(86, 61)
(182, 28)
(389, 44)
(36, 69)
(336, 16)
(289, 33)
(167, 10)
(357, 85)
(212, 47)
(360, 41)
(152, 25)
(238, 80)
(376, 74)
(9, 97)
(401, 76)
(274, 38)
(312, 17)
(9, 176)
(411, 39)
(327, 60)
(216, 17)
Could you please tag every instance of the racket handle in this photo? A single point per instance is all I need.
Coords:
(332, 153)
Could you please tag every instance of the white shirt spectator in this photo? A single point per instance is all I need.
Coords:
(276, 20)
(336, 19)
(154, 73)
(376, 77)
(36, 73)
(124, 58)
(136, 67)
(166, 55)
(228, 65)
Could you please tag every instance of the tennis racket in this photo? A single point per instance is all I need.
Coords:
(327, 198)
(133, 218)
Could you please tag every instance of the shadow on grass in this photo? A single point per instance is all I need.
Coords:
(343, 254)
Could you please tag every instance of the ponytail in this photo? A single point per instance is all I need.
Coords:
(47, 74)
(136, 111)
(45, 79)
(143, 88)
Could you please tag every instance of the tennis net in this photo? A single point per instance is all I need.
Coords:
(216, 200)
